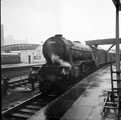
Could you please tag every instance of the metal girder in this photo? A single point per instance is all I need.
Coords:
(110, 48)
(117, 3)
(102, 41)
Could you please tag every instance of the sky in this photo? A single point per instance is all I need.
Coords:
(76, 20)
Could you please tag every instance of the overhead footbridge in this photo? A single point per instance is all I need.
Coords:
(18, 47)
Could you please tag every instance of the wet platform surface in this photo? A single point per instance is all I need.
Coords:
(82, 102)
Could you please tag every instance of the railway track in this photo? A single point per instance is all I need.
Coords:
(27, 108)
(17, 73)
(17, 76)
(18, 83)
(13, 83)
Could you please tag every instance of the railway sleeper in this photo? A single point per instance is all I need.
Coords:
(38, 101)
(12, 86)
(34, 107)
(14, 80)
(17, 84)
(42, 104)
(20, 116)
(24, 82)
(27, 111)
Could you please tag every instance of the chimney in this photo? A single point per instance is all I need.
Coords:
(59, 35)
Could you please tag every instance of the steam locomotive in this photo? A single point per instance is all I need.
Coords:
(67, 62)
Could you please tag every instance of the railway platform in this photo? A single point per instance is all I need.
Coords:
(20, 65)
(84, 101)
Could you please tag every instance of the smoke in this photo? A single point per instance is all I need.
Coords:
(57, 59)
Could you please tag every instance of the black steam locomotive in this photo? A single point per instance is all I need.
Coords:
(67, 61)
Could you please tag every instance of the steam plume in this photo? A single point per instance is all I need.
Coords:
(56, 58)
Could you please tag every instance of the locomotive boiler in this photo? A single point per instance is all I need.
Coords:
(66, 62)
(65, 50)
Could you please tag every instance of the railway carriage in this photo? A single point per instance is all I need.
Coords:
(111, 56)
(102, 57)
(10, 58)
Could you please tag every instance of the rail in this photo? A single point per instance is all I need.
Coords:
(27, 108)
(8, 84)
(14, 74)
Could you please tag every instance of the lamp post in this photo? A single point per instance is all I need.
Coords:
(117, 4)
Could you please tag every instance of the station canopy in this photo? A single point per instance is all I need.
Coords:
(102, 41)
(117, 3)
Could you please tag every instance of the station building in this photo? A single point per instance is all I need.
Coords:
(32, 56)
(29, 53)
